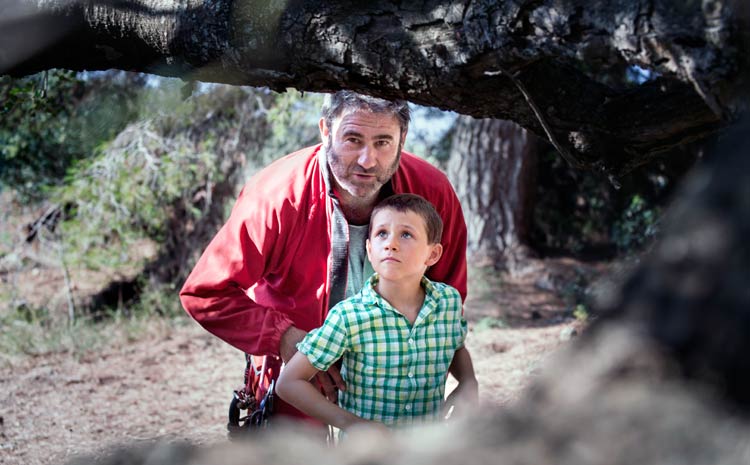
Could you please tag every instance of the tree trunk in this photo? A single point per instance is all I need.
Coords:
(493, 166)
(554, 67)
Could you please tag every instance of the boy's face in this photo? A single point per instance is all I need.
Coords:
(398, 247)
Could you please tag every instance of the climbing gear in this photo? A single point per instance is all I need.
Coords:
(256, 397)
(260, 384)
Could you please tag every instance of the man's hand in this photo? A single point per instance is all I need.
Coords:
(331, 382)
(328, 381)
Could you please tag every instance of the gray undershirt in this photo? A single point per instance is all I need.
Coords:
(359, 268)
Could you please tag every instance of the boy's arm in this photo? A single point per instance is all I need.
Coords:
(294, 387)
(466, 394)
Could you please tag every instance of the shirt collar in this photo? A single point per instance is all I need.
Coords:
(371, 297)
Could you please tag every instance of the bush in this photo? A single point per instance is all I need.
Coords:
(582, 213)
(637, 226)
(128, 192)
(54, 119)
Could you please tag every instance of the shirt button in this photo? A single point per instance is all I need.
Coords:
(411, 375)
(411, 341)
(408, 407)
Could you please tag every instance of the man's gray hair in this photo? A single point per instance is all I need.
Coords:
(336, 104)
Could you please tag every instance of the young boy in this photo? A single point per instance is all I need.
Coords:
(398, 338)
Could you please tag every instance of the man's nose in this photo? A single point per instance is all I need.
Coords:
(367, 158)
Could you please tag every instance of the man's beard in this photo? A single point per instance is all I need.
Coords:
(336, 166)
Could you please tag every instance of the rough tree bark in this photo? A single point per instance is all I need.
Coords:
(493, 166)
(480, 58)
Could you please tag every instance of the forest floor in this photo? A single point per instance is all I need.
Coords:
(175, 381)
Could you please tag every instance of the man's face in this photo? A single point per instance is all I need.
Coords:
(363, 150)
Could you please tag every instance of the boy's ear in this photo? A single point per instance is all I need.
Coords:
(435, 254)
(368, 246)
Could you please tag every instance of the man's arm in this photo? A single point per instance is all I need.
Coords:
(451, 268)
(215, 292)
(294, 387)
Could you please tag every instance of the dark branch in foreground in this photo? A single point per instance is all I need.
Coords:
(571, 59)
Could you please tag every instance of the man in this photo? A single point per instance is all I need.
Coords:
(294, 244)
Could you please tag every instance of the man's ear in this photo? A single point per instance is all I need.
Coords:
(435, 254)
(324, 131)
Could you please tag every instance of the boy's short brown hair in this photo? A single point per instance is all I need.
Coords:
(420, 206)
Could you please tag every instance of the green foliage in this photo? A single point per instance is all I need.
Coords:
(134, 199)
(489, 322)
(159, 299)
(581, 212)
(575, 293)
(19, 337)
(581, 313)
(143, 194)
(294, 123)
(637, 226)
(483, 282)
(128, 192)
(573, 209)
(51, 120)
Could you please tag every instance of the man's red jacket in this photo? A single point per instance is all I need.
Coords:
(269, 266)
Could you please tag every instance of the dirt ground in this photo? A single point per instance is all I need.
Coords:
(177, 382)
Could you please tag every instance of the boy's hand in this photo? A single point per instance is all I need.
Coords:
(463, 399)
(367, 429)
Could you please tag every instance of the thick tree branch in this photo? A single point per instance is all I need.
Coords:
(571, 58)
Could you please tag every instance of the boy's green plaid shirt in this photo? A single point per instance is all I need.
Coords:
(394, 372)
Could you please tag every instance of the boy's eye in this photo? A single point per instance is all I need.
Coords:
(381, 233)
(406, 235)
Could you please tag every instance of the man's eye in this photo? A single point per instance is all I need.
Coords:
(382, 143)
(352, 140)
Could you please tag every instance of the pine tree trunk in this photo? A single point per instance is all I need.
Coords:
(493, 167)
